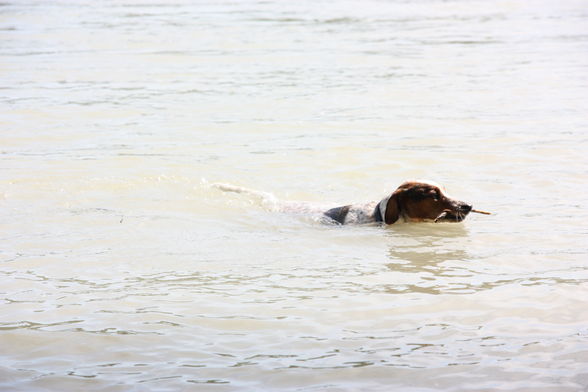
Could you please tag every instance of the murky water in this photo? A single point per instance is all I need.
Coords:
(122, 269)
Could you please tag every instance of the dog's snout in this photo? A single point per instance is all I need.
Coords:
(465, 207)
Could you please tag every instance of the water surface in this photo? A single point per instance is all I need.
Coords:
(122, 269)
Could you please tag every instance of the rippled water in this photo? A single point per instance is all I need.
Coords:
(122, 269)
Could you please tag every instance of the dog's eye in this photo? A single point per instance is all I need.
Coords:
(434, 194)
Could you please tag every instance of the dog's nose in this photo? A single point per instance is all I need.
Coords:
(465, 207)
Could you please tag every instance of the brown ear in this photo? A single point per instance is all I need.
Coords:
(393, 208)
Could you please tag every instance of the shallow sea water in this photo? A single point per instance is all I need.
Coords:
(122, 269)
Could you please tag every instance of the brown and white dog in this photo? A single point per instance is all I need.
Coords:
(413, 201)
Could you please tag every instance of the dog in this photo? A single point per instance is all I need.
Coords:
(412, 201)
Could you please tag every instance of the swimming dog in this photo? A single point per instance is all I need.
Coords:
(412, 201)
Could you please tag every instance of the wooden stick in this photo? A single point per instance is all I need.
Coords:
(441, 216)
(481, 212)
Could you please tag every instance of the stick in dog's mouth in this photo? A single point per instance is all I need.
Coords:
(445, 212)
(442, 215)
(481, 212)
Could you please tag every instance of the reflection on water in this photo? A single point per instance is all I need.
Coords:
(435, 252)
(438, 257)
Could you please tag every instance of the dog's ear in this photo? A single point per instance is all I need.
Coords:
(393, 207)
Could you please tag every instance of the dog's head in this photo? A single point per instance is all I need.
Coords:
(417, 201)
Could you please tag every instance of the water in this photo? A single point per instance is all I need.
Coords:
(122, 269)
